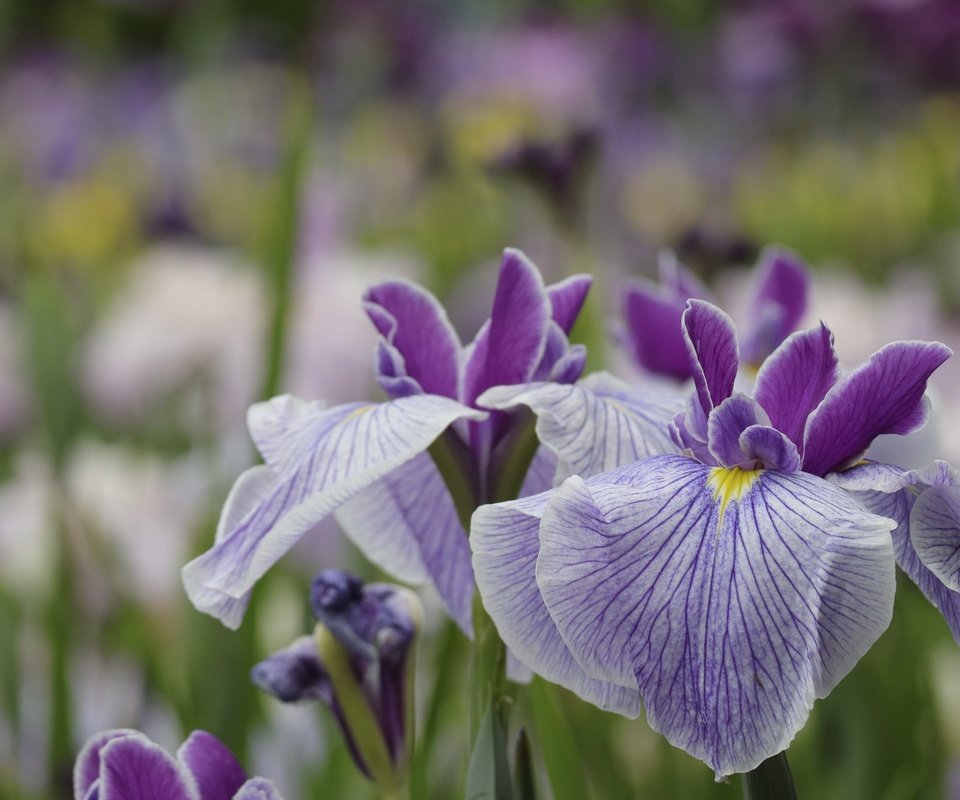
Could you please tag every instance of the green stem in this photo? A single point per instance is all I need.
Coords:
(770, 781)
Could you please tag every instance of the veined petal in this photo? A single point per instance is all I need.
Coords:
(897, 505)
(505, 543)
(595, 425)
(86, 769)
(407, 525)
(935, 532)
(258, 789)
(134, 768)
(779, 304)
(724, 426)
(712, 344)
(215, 769)
(796, 378)
(567, 298)
(734, 605)
(885, 395)
(412, 320)
(508, 350)
(339, 454)
(654, 331)
(770, 448)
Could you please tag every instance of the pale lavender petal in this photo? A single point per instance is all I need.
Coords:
(935, 532)
(406, 524)
(258, 789)
(724, 426)
(215, 769)
(869, 476)
(508, 350)
(897, 505)
(505, 543)
(712, 344)
(770, 449)
(86, 769)
(732, 618)
(654, 331)
(332, 455)
(134, 768)
(413, 321)
(540, 473)
(796, 378)
(779, 304)
(595, 425)
(567, 298)
(885, 395)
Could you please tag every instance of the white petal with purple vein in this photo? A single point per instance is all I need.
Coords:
(328, 457)
(935, 532)
(505, 543)
(732, 617)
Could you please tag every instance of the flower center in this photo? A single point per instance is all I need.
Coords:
(730, 483)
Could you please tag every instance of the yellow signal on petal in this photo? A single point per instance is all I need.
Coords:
(730, 483)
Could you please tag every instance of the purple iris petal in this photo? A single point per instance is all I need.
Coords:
(653, 330)
(391, 371)
(712, 344)
(505, 543)
(680, 281)
(796, 378)
(413, 321)
(215, 769)
(294, 674)
(733, 615)
(935, 532)
(510, 347)
(86, 770)
(567, 298)
(885, 395)
(769, 448)
(780, 303)
(728, 420)
(134, 768)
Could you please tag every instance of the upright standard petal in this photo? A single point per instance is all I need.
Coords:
(796, 378)
(134, 768)
(935, 532)
(332, 456)
(885, 395)
(505, 542)
(734, 599)
(567, 298)
(653, 330)
(215, 769)
(408, 513)
(712, 344)
(86, 769)
(595, 425)
(509, 348)
(412, 320)
(779, 304)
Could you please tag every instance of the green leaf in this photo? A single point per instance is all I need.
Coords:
(524, 774)
(488, 775)
(562, 757)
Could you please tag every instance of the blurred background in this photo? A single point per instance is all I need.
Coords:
(193, 196)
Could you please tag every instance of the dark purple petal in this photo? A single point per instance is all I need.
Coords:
(724, 426)
(770, 449)
(414, 322)
(391, 372)
(561, 361)
(508, 350)
(134, 768)
(885, 395)
(712, 344)
(294, 674)
(654, 331)
(566, 299)
(796, 378)
(86, 770)
(935, 532)
(779, 305)
(215, 769)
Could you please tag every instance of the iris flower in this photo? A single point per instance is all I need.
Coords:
(729, 586)
(125, 765)
(369, 462)
(652, 312)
